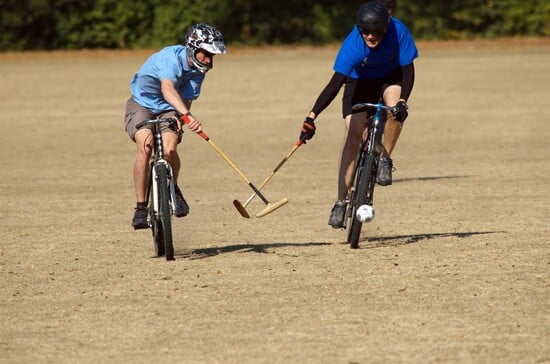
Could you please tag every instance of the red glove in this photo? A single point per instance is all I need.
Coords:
(308, 129)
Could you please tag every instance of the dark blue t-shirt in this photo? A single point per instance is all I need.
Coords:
(356, 60)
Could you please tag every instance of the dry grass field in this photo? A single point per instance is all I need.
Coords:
(454, 269)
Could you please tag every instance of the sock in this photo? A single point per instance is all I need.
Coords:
(141, 205)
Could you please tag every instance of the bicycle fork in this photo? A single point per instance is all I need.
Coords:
(154, 185)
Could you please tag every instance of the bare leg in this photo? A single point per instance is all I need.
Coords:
(392, 131)
(144, 139)
(355, 125)
(393, 128)
(171, 153)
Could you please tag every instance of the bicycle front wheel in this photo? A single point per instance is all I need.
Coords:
(158, 235)
(163, 186)
(364, 182)
(155, 223)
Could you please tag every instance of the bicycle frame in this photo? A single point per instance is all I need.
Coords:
(366, 169)
(372, 136)
(161, 192)
(158, 158)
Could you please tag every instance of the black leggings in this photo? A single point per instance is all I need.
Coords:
(358, 91)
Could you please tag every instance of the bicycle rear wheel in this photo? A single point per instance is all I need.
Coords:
(163, 183)
(364, 185)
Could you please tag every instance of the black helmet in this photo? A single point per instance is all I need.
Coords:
(390, 5)
(206, 37)
(373, 17)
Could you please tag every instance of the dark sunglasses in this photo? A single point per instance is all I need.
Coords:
(376, 33)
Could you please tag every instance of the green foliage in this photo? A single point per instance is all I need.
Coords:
(25, 24)
(77, 24)
(455, 19)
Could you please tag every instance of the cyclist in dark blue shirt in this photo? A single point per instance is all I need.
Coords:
(374, 62)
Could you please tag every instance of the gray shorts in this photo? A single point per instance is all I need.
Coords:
(135, 114)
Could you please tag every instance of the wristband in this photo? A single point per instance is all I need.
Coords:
(185, 117)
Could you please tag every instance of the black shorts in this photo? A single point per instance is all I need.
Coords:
(358, 91)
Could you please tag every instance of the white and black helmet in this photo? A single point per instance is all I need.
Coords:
(206, 37)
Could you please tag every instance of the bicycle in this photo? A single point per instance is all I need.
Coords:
(162, 200)
(361, 196)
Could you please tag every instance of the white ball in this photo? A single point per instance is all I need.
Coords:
(364, 213)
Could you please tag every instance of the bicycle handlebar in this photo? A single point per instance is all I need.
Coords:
(156, 120)
(364, 105)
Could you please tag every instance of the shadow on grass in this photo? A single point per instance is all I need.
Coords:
(397, 180)
(383, 241)
(365, 243)
(368, 243)
(243, 248)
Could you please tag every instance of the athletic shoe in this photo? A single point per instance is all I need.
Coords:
(385, 168)
(182, 208)
(140, 218)
(337, 215)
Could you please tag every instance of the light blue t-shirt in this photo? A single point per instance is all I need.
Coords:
(171, 63)
(356, 60)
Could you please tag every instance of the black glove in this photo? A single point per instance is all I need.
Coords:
(399, 111)
(308, 129)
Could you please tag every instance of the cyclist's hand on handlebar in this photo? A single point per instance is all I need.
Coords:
(399, 111)
(193, 123)
(178, 124)
(308, 129)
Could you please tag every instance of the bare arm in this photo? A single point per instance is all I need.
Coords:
(172, 96)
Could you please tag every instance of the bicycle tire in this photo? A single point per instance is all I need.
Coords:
(163, 183)
(158, 239)
(156, 226)
(363, 182)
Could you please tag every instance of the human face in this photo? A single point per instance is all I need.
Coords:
(201, 60)
(372, 38)
(204, 57)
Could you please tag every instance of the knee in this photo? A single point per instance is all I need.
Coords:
(171, 154)
(144, 153)
(355, 129)
(353, 139)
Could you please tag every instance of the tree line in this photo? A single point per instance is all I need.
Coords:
(135, 24)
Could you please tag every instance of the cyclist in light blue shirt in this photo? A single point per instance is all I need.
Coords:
(375, 62)
(169, 63)
(165, 86)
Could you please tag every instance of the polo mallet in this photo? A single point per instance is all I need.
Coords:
(270, 207)
(242, 207)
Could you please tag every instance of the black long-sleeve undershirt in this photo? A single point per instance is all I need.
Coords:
(407, 81)
(337, 80)
(329, 93)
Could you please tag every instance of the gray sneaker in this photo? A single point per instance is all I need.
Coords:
(338, 214)
(385, 167)
(140, 218)
(182, 208)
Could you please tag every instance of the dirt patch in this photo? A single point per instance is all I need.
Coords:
(453, 269)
